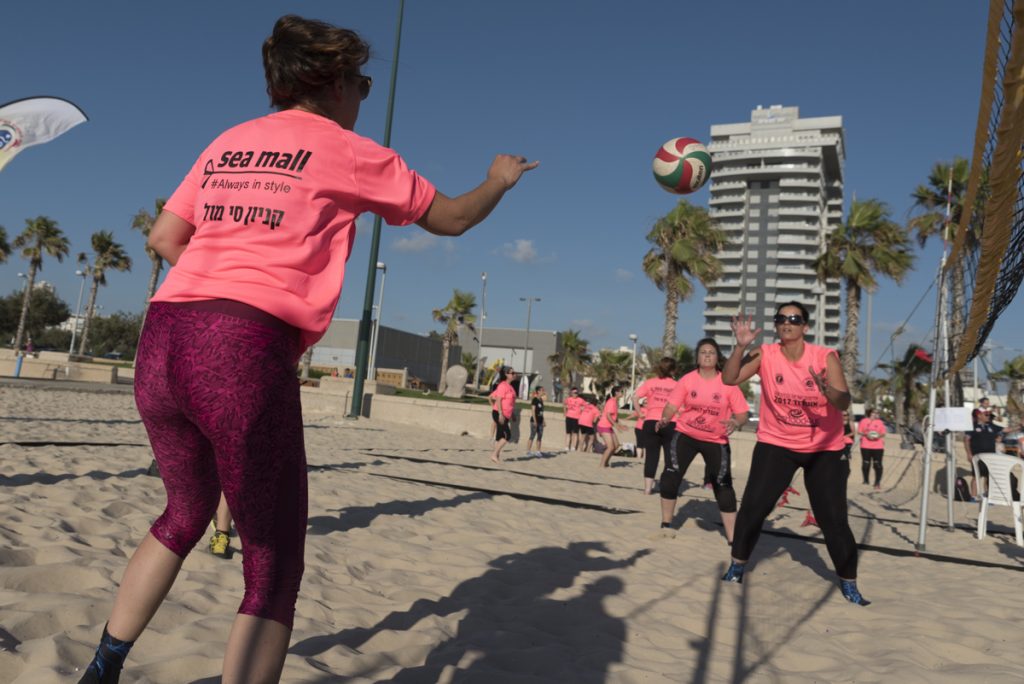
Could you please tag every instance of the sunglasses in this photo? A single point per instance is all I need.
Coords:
(794, 319)
(365, 83)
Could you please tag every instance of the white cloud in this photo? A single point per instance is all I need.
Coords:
(521, 251)
(622, 275)
(419, 241)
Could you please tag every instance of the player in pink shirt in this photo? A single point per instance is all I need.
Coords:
(503, 404)
(258, 234)
(608, 424)
(872, 445)
(706, 412)
(803, 395)
(653, 394)
(573, 404)
(588, 416)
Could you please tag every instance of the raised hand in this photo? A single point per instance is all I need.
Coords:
(742, 329)
(730, 426)
(509, 168)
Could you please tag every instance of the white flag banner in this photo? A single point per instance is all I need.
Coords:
(34, 121)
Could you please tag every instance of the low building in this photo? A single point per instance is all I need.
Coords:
(420, 355)
(514, 347)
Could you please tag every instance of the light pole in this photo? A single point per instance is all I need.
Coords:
(529, 306)
(382, 267)
(363, 342)
(480, 329)
(78, 311)
(632, 373)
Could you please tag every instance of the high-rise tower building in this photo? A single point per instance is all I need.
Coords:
(777, 191)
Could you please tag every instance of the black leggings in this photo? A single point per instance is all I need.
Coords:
(717, 469)
(825, 473)
(656, 441)
(871, 456)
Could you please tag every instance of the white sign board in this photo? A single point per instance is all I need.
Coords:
(954, 419)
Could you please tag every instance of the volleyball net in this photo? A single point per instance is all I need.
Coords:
(986, 263)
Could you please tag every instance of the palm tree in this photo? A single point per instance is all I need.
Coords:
(468, 361)
(682, 353)
(143, 222)
(685, 243)
(908, 394)
(611, 368)
(930, 201)
(868, 244)
(41, 236)
(5, 247)
(454, 315)
(570, 364)
(107, 255)
(1012, 371)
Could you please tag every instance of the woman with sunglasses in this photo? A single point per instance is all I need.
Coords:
(258, 234)
(706, 412)
(803, 396)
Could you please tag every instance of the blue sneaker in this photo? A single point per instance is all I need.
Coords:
(735, 573)
(851, 593)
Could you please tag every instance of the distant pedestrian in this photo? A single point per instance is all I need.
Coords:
(536, 422)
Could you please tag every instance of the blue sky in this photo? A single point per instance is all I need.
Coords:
(590, 89)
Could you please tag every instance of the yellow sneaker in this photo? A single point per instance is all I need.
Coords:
(219, 544)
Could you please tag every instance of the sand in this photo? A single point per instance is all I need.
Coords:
(425, 563)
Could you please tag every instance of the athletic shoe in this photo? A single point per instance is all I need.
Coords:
(851, 593)
(735, 573)
(219, 544)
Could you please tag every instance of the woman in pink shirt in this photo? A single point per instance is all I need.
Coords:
(803, 395)
(608, 424)
(258, 234)
(503, 404)
(706, 412)
(588, 416)
(872, 445)
(573, 404)
(657, 435)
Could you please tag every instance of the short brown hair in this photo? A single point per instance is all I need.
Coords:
(302, 57)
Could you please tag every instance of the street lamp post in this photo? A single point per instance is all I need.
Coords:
(363, 343)
(480, 329)
(529, 306)
(382, 267)
(632, 373)
(78, 311)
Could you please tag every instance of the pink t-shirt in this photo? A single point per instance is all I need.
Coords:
(506, 395)
(656, 390)
(867, 425)
(274, 202)
(610, 413)
(704, 405)
(588, 414)
(573, 406)
(794, 413)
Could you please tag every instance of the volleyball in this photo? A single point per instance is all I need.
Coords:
(682, 166)
(873, 435)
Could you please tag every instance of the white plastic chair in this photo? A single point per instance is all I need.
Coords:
(999, 490)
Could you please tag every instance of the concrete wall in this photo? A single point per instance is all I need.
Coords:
(49, 368)
(508, 343)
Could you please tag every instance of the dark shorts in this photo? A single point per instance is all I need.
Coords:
(501, 431)
(572, 426)
(584, 430)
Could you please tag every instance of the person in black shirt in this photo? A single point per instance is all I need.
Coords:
(536, 421)
(982, 440)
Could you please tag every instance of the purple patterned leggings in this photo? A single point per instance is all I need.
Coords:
(219, 398)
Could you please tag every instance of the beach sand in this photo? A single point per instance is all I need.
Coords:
(425, 563)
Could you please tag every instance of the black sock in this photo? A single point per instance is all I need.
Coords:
(666, 526)
(106, 665)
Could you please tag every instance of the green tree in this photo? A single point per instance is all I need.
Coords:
(570, 363)
(117, 334)
(685, 242)
(682, 353)
(468, 362)
(908, 393)
(610, 369)
(107, 255)
(869, 244)
(454, 315)
(45, 309)
(5, 247)
(143, 222)
(41, 237)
